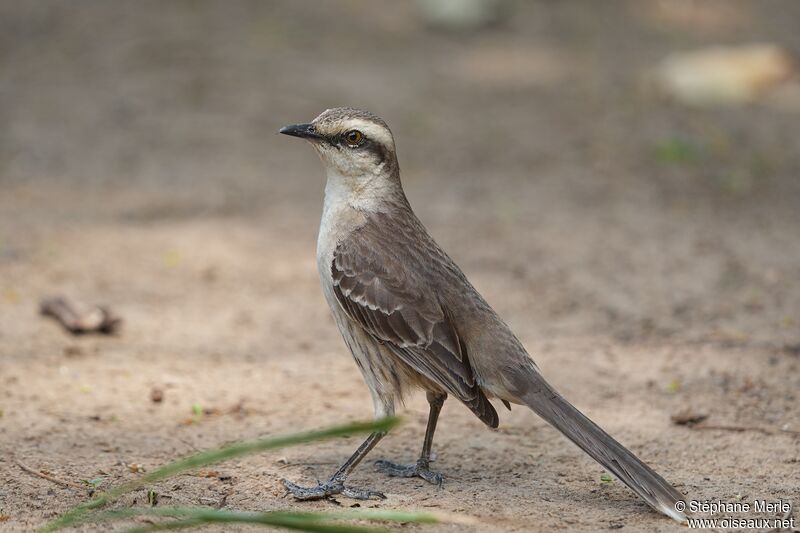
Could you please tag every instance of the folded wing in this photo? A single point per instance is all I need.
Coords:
(388, 299)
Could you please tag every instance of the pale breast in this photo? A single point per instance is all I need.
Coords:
(339, 219)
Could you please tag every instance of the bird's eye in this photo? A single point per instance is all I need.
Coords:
(354, 138)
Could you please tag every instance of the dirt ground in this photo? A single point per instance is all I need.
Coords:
(139, 168)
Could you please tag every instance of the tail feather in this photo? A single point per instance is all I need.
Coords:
(629, 469)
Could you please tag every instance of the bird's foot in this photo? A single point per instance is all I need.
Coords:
(418, 469)
(331, 488)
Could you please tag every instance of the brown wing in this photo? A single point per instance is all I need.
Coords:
(387, 298)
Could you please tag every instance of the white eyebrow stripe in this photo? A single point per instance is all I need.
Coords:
(373, 131)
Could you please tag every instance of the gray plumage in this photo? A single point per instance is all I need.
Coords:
(413, 320)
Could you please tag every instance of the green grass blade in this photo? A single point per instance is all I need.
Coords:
(165, 526)
(301, 521)
(206, 458)
(311, 526)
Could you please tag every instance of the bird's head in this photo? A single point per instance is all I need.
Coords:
(351, 143)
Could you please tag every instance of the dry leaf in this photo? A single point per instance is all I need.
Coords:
(688, 417)
(724, 75)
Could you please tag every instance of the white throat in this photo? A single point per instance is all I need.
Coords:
(364, 193)
(343, 211)
(348, 201)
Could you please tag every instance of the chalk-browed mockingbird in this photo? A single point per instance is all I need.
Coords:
(412, 319)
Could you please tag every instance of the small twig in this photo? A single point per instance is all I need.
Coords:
(50, 478)
(189, 444)
(216, 503)
(741, 429)
(223, 501)
(78, 321)
(307, 463)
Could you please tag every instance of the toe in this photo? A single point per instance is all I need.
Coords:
(363, 494)
(420, 469)
(381, 464)
(290, 487)
(306, 493)
(392, 469)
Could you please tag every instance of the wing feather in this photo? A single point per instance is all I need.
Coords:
(394, 306)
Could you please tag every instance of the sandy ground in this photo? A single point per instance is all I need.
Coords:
(140, 169)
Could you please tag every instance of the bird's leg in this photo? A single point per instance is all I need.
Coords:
(335, 485)
(422, 467)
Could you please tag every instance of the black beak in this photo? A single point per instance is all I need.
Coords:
(304, 131)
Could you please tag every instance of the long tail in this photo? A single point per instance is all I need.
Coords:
(641, 479)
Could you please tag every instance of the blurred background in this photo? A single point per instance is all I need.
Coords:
(621, 180)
